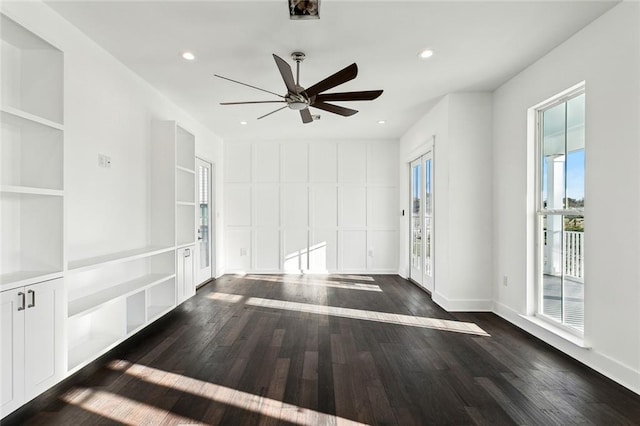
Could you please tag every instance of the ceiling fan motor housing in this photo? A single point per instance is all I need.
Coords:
(297, 101)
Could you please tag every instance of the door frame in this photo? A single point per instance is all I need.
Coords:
(429, 283)
(426, 149)
(418, 162)
(212, 222)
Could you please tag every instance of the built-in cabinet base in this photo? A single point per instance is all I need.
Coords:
(31, 327)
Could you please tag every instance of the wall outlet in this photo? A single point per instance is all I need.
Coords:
(243, 252)
(104, 161)
(370, 252)
(505, 280)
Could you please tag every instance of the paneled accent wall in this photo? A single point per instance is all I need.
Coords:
(321, 206)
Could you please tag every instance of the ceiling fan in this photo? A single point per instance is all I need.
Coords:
(300, 99)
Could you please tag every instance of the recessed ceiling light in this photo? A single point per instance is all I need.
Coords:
(426, 53)
(189, 56)
(244, 123)
(381, 121)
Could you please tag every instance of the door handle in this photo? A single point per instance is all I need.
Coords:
(187, 252)
(21, 295)
(33, 299)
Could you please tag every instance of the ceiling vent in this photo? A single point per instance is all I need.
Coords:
(304, 9)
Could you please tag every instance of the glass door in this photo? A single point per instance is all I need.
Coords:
(428, 222)
(421, 223)
(416, 249)
(204, 249)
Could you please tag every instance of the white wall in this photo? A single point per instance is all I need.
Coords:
(606, 55)
(108, 110)
(322, 206)
(461, 125)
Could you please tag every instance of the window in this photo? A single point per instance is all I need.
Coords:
(560, 209)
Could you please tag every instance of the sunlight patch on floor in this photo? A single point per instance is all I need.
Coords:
(225, 297)
(352, 277)
(318, 283)
(224, 395)
(120, 409)
(385, 317)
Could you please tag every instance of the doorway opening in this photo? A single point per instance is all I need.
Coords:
(421, 222)
(205, 226)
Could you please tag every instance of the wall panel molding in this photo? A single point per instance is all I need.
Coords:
(320, 206)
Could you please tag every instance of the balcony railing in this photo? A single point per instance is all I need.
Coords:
(574, 254)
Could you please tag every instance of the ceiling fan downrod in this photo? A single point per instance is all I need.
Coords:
(298, 57)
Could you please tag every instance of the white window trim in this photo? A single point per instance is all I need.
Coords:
(534, 312)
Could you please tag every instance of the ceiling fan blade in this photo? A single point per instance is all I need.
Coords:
(306, 115)
(251, 102)
(272, 112)
(286, 73)
(367, 95)
(342, 76)
(248, 85)
(346, 112)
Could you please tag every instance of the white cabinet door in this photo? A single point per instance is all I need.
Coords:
(12, 305)
(43, 339)
(32, 344)
(184, 274)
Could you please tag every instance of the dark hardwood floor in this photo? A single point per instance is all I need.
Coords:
(269, 350)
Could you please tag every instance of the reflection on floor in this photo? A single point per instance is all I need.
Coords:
(271, 350)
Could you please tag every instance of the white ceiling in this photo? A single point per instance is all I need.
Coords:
(478, 46)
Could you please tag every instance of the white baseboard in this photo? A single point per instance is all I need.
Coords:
(462, 305)
(616, 371)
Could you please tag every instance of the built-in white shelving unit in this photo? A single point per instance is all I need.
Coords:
(94, 333)
(161, 299)
(116, 294)
(32, 200)
(31, 156)
(174, 165)
(98, 301)
(113, 296)
(27, 91)
(117, 257)
(136, 310)
(185, 169)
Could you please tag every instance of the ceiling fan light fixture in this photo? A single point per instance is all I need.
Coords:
(297, 106)
(381, 121)
(426, 53)
(304, 9)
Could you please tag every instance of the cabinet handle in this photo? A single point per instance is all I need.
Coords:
(33, 299)
(22, 297)
(187, 252)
